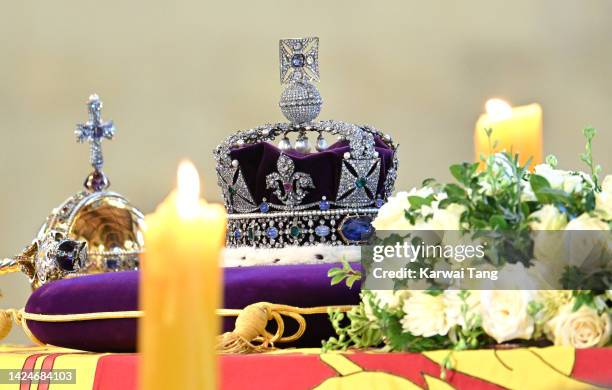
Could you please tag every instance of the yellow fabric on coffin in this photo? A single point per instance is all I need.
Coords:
(515, 368)
(354, 377)
(84, 364)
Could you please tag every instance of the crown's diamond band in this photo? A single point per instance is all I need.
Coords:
(276, 230)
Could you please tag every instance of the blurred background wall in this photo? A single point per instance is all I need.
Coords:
(177, 77)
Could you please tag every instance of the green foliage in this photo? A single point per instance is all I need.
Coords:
(346, 273)
(551, 160)
(395, 338)
(464, 173)
(353, 329)
(587, 157)
(498, 209)
(583, 298)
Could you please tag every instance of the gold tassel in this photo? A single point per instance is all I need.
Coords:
(250, 334)
(8, 316)
(6, 319)
(250, 324)
(6, 323)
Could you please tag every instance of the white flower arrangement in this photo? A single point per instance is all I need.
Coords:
(547, 199)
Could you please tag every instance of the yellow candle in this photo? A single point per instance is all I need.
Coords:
(180, 289)
(516, 130)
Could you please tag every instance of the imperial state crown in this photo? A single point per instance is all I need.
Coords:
(290, 195)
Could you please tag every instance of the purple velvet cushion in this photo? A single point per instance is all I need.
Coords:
(296, 285)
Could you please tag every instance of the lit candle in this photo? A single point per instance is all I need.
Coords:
(180, 289)
(516, 130)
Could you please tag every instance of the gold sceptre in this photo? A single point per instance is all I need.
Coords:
(23, 262)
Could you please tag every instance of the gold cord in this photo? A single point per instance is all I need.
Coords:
(251, 324)
(8, 316)
(249, 335)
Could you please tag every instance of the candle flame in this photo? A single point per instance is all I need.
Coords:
(498, 110)
(188, 193)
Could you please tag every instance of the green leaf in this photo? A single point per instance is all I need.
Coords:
(545, 193)
(410, 217)
(498, 221)
(582, 298)
(589, 201)
(587, 156)
(455, 191)
(337, 279)
(463, 172)
(430, 181)
(334, 271)
(538, 182)
(416, 201)
(458, 172)
(351, 280)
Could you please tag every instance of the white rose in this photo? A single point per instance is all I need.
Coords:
(422, 192)
(448, 218)
(455, 306)
(603, 199)
(547, 242)
(389, 298)
(516, 276)
(391, 215)
(425, 315)
(527, 194)
(547, 218)
(504, 314)
(555, 177)
(590, 244)
(572, 183)
(586, 222)
(583, 328)
(384, 299)
(606, 185)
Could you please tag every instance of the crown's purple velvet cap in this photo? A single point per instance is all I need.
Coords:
(259, 160)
